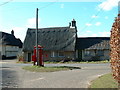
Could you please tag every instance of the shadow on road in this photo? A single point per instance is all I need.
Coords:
(9, 78)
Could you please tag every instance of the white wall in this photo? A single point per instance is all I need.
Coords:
(25, 56)
(105, 56)
(2, 49)
(12, 48)
(9, 51)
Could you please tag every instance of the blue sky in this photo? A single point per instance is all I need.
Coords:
(94, 19)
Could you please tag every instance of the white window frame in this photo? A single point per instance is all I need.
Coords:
(53, 54)
(87, 53)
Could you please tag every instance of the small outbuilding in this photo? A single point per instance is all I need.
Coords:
(93, 48)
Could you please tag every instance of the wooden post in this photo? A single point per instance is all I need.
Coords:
(37, 55)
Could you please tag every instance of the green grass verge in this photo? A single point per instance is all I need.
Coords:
(69, 62)
(49, 69)
(24, 62)
(72, 62)
(105, 81)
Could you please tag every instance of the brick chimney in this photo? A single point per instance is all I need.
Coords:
(12, 32)
(73, 24)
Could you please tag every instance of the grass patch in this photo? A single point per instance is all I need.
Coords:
(69, 62)
(72, 62)
(105, 81)
(49, 69)
(24, 62)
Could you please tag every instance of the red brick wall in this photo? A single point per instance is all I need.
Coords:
(115, 49)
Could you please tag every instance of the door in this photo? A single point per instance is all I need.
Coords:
(29, 57)
(80, 54)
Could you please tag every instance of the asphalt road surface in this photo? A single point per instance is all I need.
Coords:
(13, 76)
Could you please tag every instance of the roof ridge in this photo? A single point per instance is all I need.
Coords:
(4, 32)
(92, 37)
(49, 27)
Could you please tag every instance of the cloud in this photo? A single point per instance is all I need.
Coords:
(104, 34)
(94, 16)
(17, 29)
(52, 0)
(88, 31)
(88, 24)
(20, 32)
(108, 5)
(88, 35)
(62, 6)
(106, 17)
(98, 23)
(94, 34)
(31, 22)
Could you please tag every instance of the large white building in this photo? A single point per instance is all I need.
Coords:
(10, 46)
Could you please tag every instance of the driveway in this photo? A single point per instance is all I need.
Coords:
(14, 76)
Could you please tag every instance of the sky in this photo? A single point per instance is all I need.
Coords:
(93, 18)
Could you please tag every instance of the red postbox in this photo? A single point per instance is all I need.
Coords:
(40, 55)
(40, 52)
(34, 59)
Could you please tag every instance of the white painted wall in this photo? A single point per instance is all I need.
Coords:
(106, 55)
(9, 51)
(26, 56)
(12, 48)
(2, 48)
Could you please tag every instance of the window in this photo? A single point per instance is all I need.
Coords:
(87, 53)
(57, 54)
(61, 54)
(100, 52)
(53, 54)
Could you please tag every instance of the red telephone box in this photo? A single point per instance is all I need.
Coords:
(40, 55)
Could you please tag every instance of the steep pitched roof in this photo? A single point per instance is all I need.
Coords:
(93, 43)
(9, 39)
(56, 38)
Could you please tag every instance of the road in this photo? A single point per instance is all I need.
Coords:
(13, 76)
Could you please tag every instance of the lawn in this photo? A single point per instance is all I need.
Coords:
(105, 81)
(49, 69)
(72, 62)
(69, 62)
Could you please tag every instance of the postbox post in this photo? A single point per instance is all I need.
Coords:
(40, 53)
(34, 59)
(40, 49)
